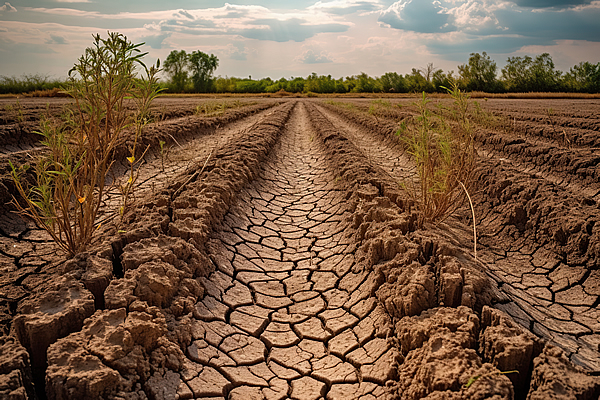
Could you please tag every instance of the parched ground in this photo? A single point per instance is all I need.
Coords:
(271, 253)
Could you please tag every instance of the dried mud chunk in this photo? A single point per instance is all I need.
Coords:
(508, 346)
(451, 283)
(94, 272)
(409, 290)
(52, 315)
(74, 373)
(157, 283)
(440, 358)
(15, 372)
(174, 251)
(114, 352)
(555, 377)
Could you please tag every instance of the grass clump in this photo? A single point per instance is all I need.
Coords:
(444, 152)
(213, 108)
(71, 177)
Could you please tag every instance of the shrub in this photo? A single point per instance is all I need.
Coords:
(71, 176)
(442, 146)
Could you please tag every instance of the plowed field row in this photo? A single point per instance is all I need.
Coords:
(273, 254)
(538, 230)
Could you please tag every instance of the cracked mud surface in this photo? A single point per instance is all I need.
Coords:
(285, 315)
(274, 255)
(536, 221)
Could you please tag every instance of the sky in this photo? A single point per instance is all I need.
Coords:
(268, 38)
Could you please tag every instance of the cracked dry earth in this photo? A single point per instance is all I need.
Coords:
(285, 315)
(275, 256)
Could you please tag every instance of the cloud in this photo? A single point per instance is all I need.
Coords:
(418, 16)
(294, 29)
(155, 41)
(11, 47)
(344, 7)
(311, 57)
(55, 39)
(551, 3)
(493, 26)
(237, 51)
(73, 1)
(7, 8)
(570, 24)
(252, 22)
(186, 14)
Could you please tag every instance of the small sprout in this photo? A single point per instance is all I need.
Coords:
(473, 379)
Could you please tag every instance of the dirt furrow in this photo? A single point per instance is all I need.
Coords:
(542, 258)
(27, 250)
(284, 315)
(386, 153)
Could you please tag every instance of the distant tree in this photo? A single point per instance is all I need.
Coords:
(202, 67)
(393, 82)
(176, 67)
(583, 77)
(416, 82)
(516, 74)
(544, 77)
(225, 85)
(441, 80)
(366, 84)
(429, 71)
(296, 85)
(525, 74)
(479, 73)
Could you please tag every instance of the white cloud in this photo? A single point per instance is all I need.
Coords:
(343, 7)
(253, 22)
(73, 1)
(7, 7)
(311, 56)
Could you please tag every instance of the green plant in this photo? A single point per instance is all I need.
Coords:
(161, 144)
(474, 379)
(147, 89)
(71, 177)
(20, 114)
(444, 155)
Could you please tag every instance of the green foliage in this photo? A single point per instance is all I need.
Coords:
(416, 82)
(71, 176)
(175, 66)
(525, 74)
(196, 68)
(28, 83)
(146, 90)
(393, 82)
(583, 77)
(202, 67)
(479, 74)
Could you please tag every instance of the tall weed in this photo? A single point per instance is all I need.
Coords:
(444, 153)
(71, 178)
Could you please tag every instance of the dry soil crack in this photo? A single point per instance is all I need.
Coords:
(282, 317)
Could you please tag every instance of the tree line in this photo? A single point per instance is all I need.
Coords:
(194, 73)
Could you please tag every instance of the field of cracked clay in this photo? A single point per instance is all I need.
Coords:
(271, 252)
